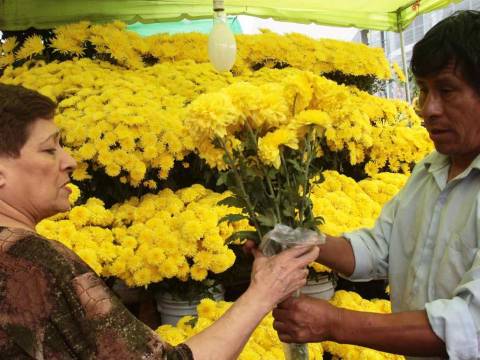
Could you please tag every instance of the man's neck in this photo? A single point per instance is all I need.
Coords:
(13, 218)
(458, 164)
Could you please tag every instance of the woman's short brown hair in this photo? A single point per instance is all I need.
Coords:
(19, 108)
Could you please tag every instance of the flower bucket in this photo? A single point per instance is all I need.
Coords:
(128, 295)
(172, 310)
(322, 288)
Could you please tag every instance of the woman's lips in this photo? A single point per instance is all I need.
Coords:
(67, 188)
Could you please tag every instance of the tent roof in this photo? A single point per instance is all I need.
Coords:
(392, 15)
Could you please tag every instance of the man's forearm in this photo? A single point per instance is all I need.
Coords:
(407, 333)
(337, 254)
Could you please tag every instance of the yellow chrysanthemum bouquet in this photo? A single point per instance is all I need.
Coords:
(267, 157)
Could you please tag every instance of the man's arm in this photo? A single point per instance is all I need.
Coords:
(337, 254)
(312, 320)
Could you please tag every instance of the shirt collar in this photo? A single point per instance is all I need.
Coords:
(436, 161)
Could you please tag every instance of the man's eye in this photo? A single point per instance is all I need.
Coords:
(421, 97)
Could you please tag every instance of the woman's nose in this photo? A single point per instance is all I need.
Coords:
(68, 162)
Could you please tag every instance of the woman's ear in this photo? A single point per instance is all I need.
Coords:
(3, 174)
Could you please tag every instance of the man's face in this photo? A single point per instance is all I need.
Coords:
(450, 107)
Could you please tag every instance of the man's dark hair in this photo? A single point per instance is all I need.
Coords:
(457, 39)
(19, 108)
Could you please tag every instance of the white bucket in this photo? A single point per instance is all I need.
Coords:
(173, 310)
(323, 288)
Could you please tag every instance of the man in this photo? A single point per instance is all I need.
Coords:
(426, 240)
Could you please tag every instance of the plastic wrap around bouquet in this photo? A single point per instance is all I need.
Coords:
(283, 237)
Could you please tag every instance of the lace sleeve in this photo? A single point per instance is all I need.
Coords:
(53, 306)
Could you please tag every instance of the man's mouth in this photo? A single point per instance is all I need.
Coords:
(439, 134)
(439, 131)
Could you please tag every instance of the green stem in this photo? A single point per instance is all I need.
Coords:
(307, 170)
(294, 104)
(269, 183)
(289, 184)
(246, 198)
(284, 164)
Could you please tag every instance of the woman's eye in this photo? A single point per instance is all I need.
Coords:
(51, 151)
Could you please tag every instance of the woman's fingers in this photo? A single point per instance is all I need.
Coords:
(296, 251)
(307, 258)
(281, 275)
(249, 247)
(257, 253)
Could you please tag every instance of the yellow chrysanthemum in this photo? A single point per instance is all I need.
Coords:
(33, 45)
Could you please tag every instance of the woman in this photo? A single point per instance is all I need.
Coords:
(52, 305)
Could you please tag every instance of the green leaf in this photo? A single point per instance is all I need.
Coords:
(193, 321)
(222, 179)
(268, 221)
(232, 201)
(243, 235)
(232, 218)
(319, 220)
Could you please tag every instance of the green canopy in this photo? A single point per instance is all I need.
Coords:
(184, 26)
(392, 15)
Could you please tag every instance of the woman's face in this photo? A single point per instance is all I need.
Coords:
(35, 182)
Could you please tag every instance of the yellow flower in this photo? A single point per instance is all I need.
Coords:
(168, 268)
(87, 151)
(33, 45)
(80, 216)
(9, 44)
(398, 72)
(90, 257)
(207, 309)
(81, 173)
(142, 276)
(269, 145)
(6, 60)
(74, 195)
(198, 273)
(66, 45)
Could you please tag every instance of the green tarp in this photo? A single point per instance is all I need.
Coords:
(392, 15)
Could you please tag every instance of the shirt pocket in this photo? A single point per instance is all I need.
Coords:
(456, 260)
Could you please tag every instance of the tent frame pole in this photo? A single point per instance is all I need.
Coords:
(405, 68)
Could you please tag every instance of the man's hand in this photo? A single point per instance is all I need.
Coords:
(305, 319)
(311, 320)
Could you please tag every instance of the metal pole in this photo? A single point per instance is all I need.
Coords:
(383, 36)
(405, 68)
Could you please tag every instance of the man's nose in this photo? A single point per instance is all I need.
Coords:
(432, 106)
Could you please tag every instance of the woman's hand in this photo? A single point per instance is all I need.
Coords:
(275, 278)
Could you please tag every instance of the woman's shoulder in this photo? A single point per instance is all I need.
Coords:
(45, 253)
